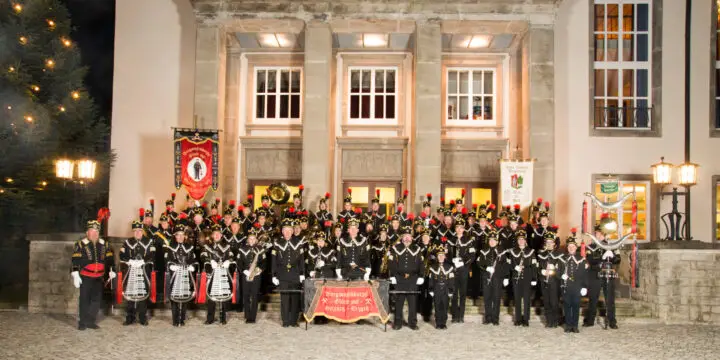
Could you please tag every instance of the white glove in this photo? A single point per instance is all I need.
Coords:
(312, 274)
(191, 268)
(275, 281)
(506, 282)
(517, 268)
(533, 283)
(420, 281)
(608, 254)
(246, 273)
(543, 271)
(367, 274)
(551, 266)
(173, 268)
(112, 275)
(338, 272)
(458, 264)
(564, 276)
(490, 269)
(76, 279)
(353, 264)
(432, 294)
(583, 292)
(226, 264)
(319, 264)
(456, 259)
(302, 278)
(213, 264)
(393, 280)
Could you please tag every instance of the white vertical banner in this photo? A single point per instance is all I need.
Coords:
(516, 182)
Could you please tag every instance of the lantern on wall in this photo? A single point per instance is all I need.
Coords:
(662, 172)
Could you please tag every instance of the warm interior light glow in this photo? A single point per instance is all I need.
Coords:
(64, 169)
(661, 172)
(285, 40)
(479, 41)
(687, 174)
(374, 40)
(86, 169)
(269, 40)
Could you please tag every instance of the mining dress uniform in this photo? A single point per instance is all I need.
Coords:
(214, 257)
(90, 261)
(608, 265)
(246, 255)
(523, 272)
(493, 264)
(593, 255)
(141, 251)
(321, 262)
(463, 256)
(428, 252)
(353, 257)
(573, 276)
(288, 269)
(162, 238)
(406, 273)
(178, 255)
(441, 284)
(506, 236)
(549, 261)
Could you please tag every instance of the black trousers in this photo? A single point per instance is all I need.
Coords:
(412, 308)
(492, 295)
(179, 310)
(458, 299)
(426, 302)
(136, 309)
(250, 291)
(441, 308)
(91, 291)
(211, 305)
(289, 303)
(550, 301)
(571, 304)
(522, 295)
(593, 290)
(608, 287)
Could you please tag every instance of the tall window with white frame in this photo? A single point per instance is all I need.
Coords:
(622, 64)
(471, 96)
(277, 94)
(372, 95)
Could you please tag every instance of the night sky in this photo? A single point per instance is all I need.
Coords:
(93, 24)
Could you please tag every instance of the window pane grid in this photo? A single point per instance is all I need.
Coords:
(622, 64)
(470, 94)
(277, 93)
(372, 94)
(623, 215)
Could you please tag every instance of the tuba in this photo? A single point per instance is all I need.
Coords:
(136, 285)
(279, 193)
(182, 285)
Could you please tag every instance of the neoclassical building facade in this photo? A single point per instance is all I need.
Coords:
(421, 95)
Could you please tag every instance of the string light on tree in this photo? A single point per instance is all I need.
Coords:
(11, 69)
(29, 118)
(23, 40)
(66, 42)
(62, 108)
(50, 63)
(35, 88)
(17, 7)
(9, 180)
(51, 23)
(75, 95)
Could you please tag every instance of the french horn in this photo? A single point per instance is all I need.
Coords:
(279, 193)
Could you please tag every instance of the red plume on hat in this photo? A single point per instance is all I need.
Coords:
(604, 215)
(250, 197)
(172, 196)
(423, 215)
(301, 188)
(547, 206)
(152, 205)
(405, 194)
(142, 213)
(442, 201)
(573, 230)
(498, 223)
(475, 206)
(464, 211)
(241, 208)
(433, 222)
(539, 201)
(462, 193)
(232, 203)
(217, 201)
(491, 206)
(377, 193)
(256, 225)
(327, 195)
(182, 216)
(291, 209)
(428, 196)
(452, 202)
(103, 214)
(350, 191)
(411, 216)
(358, 211)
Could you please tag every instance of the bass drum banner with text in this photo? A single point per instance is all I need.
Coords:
(196, 161)
(516, 182)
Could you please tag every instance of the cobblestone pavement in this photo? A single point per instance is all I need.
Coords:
(34, 336)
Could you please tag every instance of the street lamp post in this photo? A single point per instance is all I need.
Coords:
(65, 170)
(687, 177)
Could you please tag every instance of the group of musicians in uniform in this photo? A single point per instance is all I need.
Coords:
(432, 261)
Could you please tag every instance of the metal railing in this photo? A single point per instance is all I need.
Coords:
(615, 117)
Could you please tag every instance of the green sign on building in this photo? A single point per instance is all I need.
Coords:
(609, 186)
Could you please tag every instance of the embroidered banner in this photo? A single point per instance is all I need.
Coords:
(346, 301)
(196, 161)
(516, 182)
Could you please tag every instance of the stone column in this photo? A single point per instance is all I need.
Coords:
(428, 112)
(210, 77)
(316, 166)
(541, 109)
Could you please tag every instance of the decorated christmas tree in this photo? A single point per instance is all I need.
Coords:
(46, 116)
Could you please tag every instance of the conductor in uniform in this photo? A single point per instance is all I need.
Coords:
(406, 273)
(353, 255)
(288, 269)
